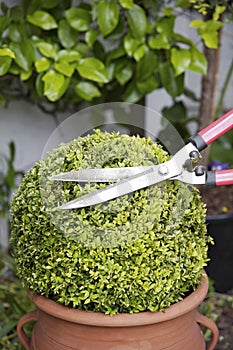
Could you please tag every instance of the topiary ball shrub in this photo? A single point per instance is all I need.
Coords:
(142, 251)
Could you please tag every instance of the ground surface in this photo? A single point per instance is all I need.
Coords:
(224, 306)
(219, 200)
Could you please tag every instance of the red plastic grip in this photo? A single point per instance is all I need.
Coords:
(224, 177)
(217, 128)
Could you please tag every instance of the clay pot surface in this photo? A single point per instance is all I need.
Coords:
(61, 328)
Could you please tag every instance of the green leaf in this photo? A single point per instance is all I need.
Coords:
(211, 39)
(181, 59)
(159, 42)
(107, 16)
(8, 327)
(148, 85)
(5, 51)
(93, 69)
(91, 36)
(167, 11)
(65, 68)
(115, 53)
(198, 61)
(23, 54)
(67, 55)
(147, 65)
(66, 34)
(49, 4)
(123, 71)
(42, 19)
(132, 94)
(82, 48)
(173, 85)
(218, 11)
(182, 39)
(4, 22)
(25, 75)
(87, 90)
(46, 49)
(39, 85)
(137, 22)
(126, 4)
(165, 25)
(16, 13)
(1, 99)
(42, 64)
(16, 32)
(208, 31)
(197, 23)
(5, 63)
(182, 3)
(131, 44)
(55, 85)
(139, 52)
(78, 18)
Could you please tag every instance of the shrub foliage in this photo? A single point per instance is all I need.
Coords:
(143, 251)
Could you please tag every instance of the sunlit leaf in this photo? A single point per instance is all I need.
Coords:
(5, 51)
(181, 59)
(87, 90)
(131, 44)
(93, 69)
(78, 18)
(5, 63)
(46, 49)
(198, 61)
(137, 21)
(67, 55)
(91, 36)
(42, 19)
(160, 41)
(42, 64)
(55, 85)
(107, 16)
(127, 4)
(65, 68)
(165, 25)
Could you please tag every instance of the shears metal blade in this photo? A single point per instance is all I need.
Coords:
(179, 167)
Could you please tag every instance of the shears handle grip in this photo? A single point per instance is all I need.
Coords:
(213, 131)
(220, 177)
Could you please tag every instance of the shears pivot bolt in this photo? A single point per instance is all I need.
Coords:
(194, 155)
(199, 170)
(163, 170)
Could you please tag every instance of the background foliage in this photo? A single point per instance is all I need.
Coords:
(97, 51)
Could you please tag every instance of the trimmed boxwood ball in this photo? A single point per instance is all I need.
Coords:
(142, 251)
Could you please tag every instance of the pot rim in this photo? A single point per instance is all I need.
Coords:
(219, 217)
(180, 308)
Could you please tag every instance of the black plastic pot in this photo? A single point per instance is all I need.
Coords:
(220, 268)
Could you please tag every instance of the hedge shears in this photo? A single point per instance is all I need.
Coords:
(182, 166)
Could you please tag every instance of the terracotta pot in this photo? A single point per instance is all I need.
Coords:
(60, 328)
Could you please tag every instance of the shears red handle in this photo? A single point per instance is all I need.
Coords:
(209, 134)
